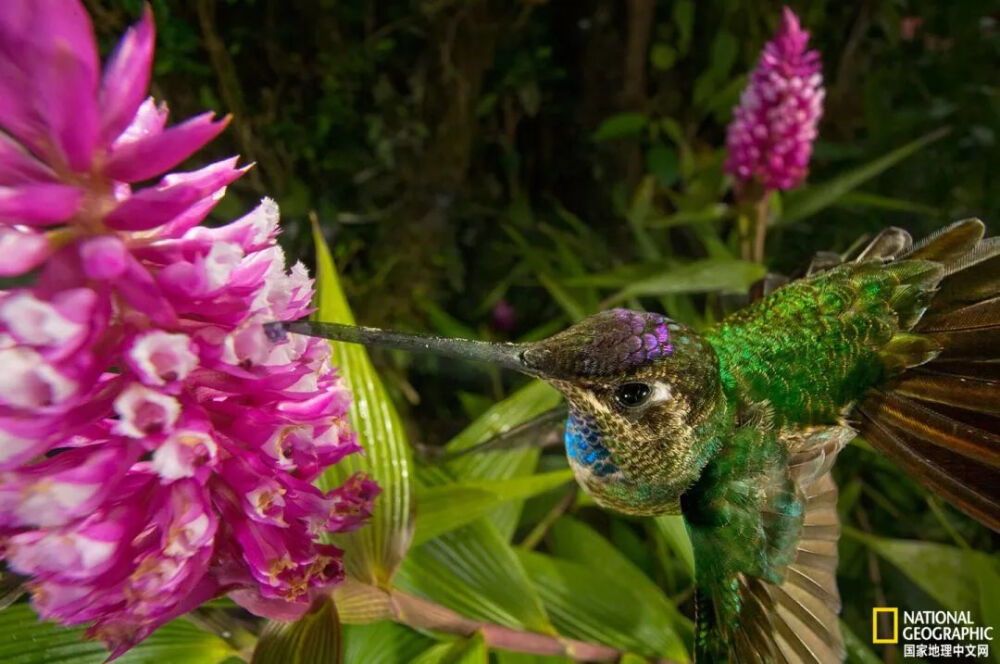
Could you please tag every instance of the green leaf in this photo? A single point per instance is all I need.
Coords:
(661, 161)
(858, 651)
(672, 530)
(865, 199)
(373, 553)
(662, 56)
(383, 642)
(574, 310)
(474, 571)
(683, 14)
(989, 594)
(701, 276)
(528, 402)
(26, 640)
(573, 540)
(708, 214)
(632, 658)
(444, 508)
(951, 576)
(312, 639)
(621, 125)
(806, 202)
(466, 651)
(588, 603)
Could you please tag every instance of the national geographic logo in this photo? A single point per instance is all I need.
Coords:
(930, 634)
(892, 622)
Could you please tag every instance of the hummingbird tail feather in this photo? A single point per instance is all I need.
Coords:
(939, 417)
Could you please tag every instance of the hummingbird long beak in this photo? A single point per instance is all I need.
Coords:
(506, 355)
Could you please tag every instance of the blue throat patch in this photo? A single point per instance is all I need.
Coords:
(584, 448)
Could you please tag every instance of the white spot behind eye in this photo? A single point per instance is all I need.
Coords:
(661, 392)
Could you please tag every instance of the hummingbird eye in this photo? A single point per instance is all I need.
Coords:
(631, 395)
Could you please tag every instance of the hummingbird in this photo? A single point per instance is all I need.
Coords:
(737, 426)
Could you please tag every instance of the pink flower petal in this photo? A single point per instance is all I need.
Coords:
(65, 487)
(176, 193)
(126, 77)
(29, 382)
(22, 250)
(36, 322)
(149, 120)
(143, 412)
(39, 204)
(18, 166)
(104, 257)
(142, 293)
(159, 357)
(152, 155)
(52, 43)
(253, 231)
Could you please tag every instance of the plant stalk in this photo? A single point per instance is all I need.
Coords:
(420, 613)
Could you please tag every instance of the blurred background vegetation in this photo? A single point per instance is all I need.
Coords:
(498, 169)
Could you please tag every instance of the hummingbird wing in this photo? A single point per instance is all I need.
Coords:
(905, 340)
(766, 573)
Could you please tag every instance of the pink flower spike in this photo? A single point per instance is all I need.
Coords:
(156, 449)
(771, 136)
(145, 157)
(126, 77)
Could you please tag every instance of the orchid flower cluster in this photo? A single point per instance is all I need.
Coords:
(770, 139)
(156, 449)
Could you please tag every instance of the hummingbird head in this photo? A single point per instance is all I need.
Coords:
(646, 405)
(645, 397)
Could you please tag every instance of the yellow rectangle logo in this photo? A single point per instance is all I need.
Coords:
(894, 638)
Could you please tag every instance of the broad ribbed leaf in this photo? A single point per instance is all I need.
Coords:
(359, 602)
(528, 402)
(313, 639)
(806, 202)
(383, 642)
(586, 602)
(444, 508)
(673, 532)
(474, 571)
(26, 640)
(467, 651)
(372, 553)
(573, 540)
